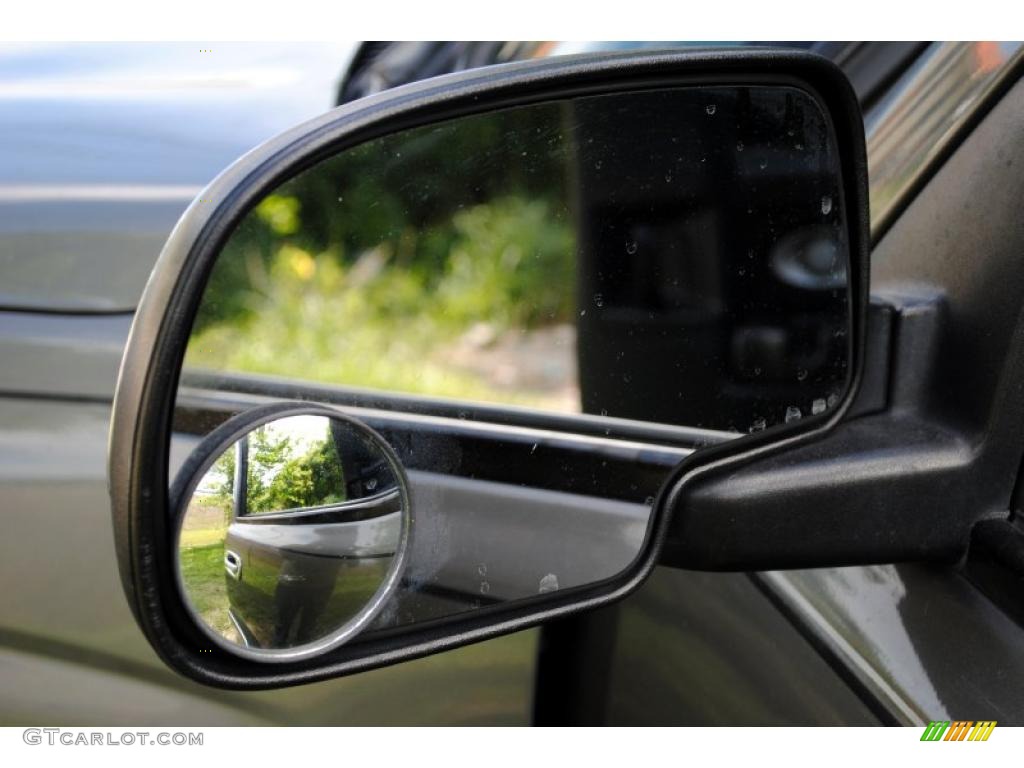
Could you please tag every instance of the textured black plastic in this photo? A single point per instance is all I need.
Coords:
(905, 484)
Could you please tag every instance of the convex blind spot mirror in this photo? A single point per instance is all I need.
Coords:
(547, 295)
(293, 528)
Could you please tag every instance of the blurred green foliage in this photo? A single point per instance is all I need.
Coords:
(362, 269)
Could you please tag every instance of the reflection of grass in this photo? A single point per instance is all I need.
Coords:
(201, 538)
(378, 324)
(202, 571)
(201, 553)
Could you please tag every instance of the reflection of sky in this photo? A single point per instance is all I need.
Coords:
(870, 600)
(212, 480)
(303, 431)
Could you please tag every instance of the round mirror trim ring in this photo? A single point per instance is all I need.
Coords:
(202, 458)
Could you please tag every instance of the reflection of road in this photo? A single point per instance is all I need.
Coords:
(536, 365)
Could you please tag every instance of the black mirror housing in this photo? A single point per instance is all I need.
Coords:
(144, 525)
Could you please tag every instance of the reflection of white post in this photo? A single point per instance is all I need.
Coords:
(240, 487)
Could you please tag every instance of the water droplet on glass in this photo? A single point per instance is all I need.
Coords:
(710, 109)
(819, 406)
(792, 414)
(341, 199)
(597, 165)
(763, 164)
(758, 425)
(832, 400)
(534, 449)
(599, 300)
(826, 205)
(631, 248)
(548, 584)
(757, 371)
(739, 146)
(583, 312)
(668, 178)
(482, 569)
(484, 587)
(371, 483)
(649, 501)
(463, 415)
(801, 375)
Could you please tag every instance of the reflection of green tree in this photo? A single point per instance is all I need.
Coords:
(224, 490)
(402, 195)
(361, 269)
(279, 479)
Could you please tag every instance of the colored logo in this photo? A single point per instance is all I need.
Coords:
(959, 730)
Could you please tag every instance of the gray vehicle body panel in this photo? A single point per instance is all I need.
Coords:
(103, 146)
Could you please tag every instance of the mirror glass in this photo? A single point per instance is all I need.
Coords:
(542, 309)
(674, 256)
(289, 535)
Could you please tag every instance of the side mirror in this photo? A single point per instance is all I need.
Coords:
(546, 300)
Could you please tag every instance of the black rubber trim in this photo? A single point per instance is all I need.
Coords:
(25, 309)
(545, 460)
(209, 384)
(47, 397)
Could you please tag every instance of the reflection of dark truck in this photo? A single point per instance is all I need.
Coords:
(686, 318)
(296, 575)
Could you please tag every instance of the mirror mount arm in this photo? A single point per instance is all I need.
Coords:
(890, 484)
